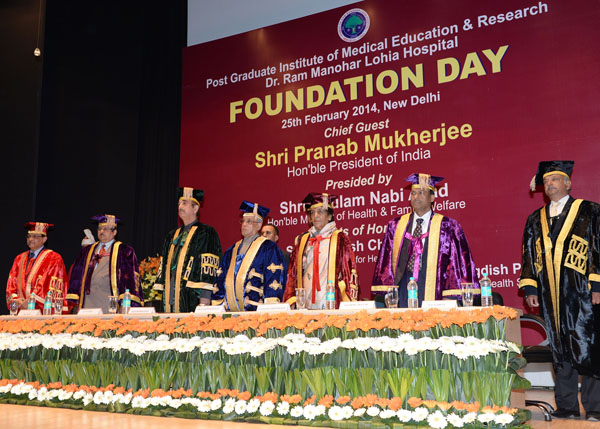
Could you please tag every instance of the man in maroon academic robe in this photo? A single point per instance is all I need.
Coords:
(105, 268)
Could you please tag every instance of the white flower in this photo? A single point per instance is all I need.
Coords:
(64, 395)
(387, 414)
(373, 411)
(98, 397)
(310, 412)
(469, 417)
(32, 395)
(420, 414)
(362, 343)
(42, 394)
(176, 403)
(359, 412)
(437, 420)
(215, 404)
(267, 407)
(229, 406)
(253, 406)
(503, 419)
(455, 420)
(347, 411)
(283, 408)
(297, 411)
(137, 402)
(485, 417)
(404, 416)
(335, 413)
(87, 398)
(240, 406)
(204, 406)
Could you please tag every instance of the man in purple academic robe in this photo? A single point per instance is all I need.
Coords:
(425, 245)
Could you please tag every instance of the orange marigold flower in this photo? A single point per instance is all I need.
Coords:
(395, 403)
(310, 401)
(343, 400)
(244, 396)
(326, 400)
(414, 402)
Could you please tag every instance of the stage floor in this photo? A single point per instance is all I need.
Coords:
(23, 417)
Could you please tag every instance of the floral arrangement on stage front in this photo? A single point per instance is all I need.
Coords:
(446, 357)
(342, 412)
(148, 274)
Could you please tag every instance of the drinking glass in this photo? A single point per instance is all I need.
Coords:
(14, 307)
(113, 304)
(300, 299)
(391, 298)
(467, 294)
(58, 303)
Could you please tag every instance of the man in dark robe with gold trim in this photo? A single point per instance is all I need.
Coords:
(190, 258)
(322, 255)
(560, 274)
(430, 247)
(105, 268)
(37, 271)
(252, 270)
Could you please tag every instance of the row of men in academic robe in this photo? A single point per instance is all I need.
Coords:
(560, 269)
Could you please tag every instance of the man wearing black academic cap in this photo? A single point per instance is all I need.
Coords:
(252, 270)
(430, 247)
(106, 268)
(190, 258)
(560, 274)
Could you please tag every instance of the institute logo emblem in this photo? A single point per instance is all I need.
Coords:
(353, 25)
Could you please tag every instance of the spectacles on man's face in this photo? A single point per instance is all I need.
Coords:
(35, 236)
(318, 211)
(105, 228)
(248, 221)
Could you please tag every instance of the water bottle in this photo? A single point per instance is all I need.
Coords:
(413, 293)
(126, 301)
(330, 296)
(486, 290)
(31, 302)
(48, 305)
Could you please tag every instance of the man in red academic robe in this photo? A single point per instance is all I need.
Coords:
(36, 271)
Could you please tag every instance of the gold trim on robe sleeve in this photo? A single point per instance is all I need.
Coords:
(433, 249)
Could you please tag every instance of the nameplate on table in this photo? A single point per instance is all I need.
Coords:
(209, 309)
(142, 310)
(273, 307)
(35, 312)
(89, 311)
(357, 305)
(445, 304)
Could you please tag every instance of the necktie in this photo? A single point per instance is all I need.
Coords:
(29, 260)
(416, 234)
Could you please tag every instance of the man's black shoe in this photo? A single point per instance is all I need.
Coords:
(593, 416)
(561, 413)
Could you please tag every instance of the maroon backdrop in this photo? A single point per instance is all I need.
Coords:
(517, 89)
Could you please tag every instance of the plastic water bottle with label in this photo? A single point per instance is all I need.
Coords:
(31, 302)
(48, 305)
(330, 296)
(126, 302)
(413, 293)
(486, 290)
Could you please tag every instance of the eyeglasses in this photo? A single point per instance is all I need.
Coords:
(106, 228)
(319, 211)
(243, 221)
(34, 236)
